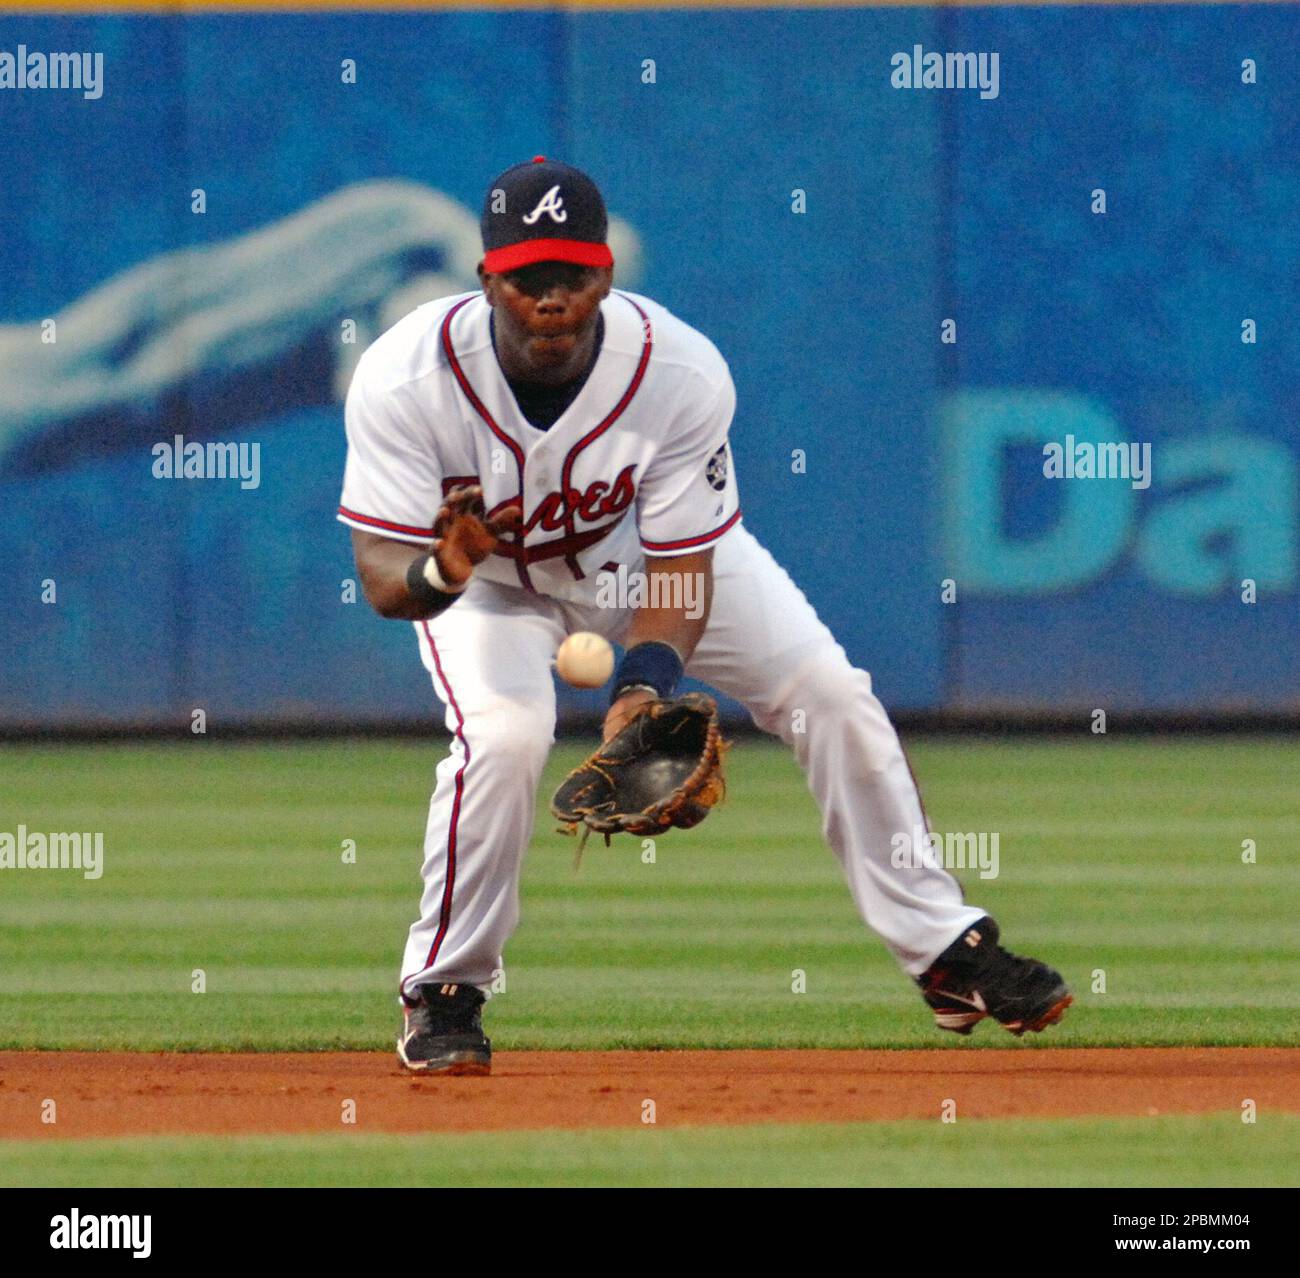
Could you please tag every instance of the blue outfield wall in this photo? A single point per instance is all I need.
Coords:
(918, 461)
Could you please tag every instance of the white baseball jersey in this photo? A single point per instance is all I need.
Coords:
(638, 463)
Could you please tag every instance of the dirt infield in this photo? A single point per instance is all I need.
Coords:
(127, 1094)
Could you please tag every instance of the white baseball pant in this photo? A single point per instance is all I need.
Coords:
(490, 656)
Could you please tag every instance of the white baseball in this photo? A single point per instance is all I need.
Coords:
(585, 660)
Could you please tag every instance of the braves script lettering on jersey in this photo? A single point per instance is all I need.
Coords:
(639, 462)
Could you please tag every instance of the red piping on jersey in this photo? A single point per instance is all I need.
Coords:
(566, 471)
(372, 522)
(687, 542)
(482, 411)
(444, 913)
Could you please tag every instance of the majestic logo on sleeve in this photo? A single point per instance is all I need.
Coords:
(553, 203)
(716, 471)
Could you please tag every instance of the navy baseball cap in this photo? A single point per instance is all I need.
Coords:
(544, 211)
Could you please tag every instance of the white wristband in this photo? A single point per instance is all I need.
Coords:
(434, 578)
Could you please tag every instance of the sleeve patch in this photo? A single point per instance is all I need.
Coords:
(716, 470)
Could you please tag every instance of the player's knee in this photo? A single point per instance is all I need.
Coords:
(511, 733)
(831, 689)
(834, 702)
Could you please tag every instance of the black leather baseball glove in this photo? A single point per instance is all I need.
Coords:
(663, 769)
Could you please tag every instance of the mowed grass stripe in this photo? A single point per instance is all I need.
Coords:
(228, 859)
(1212, 1150)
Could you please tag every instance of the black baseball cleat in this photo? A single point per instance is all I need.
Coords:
(975, 977)
(443, 1033)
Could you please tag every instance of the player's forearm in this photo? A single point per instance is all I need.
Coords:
(385, 569)
(679, 596)
(681, 591)
(663, 625)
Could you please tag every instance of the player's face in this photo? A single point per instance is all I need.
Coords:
(546, 313)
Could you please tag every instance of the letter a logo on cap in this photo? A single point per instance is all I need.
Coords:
(553, 203)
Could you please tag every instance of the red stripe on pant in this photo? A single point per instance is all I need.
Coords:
(444, 915)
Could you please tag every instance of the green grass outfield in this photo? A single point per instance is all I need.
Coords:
(1211, 1150)
(1116, 855)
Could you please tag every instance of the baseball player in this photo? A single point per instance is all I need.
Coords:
(509, 448)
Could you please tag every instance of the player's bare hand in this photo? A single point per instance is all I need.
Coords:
(624, 710)
(464, 536)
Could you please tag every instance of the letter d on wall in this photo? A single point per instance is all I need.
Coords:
(1096, 515)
